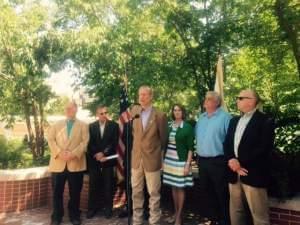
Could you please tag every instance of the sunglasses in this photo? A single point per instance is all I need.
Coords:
(103, 113)
(240, 98)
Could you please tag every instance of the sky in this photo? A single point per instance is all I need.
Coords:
(61, 83)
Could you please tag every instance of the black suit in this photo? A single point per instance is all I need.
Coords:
(254, 149)
(102, 174)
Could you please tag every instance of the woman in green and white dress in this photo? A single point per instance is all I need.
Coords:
(177, 162)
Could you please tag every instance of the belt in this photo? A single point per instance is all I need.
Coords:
(210, 158)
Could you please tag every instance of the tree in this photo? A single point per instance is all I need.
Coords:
(23, 92)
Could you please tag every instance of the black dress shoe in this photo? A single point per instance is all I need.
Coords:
(91, 213)
(123, 214)
(55, 222)
(108, 214)
(75, 221)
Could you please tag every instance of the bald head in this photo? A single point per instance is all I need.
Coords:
(248, 100)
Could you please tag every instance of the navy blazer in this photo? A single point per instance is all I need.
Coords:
(107, 144)
(254, 149)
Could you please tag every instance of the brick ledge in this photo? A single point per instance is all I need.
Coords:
(24, 174)
(289, 204)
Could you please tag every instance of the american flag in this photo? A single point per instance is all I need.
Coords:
(123, 119)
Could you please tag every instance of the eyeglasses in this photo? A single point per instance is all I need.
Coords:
(240, 98)
(103, 113)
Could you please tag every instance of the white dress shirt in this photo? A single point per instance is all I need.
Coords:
(240, 128)
(102, 127)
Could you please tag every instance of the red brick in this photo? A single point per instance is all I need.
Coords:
(279, 222)
(294, 223)
(280, 210)
(296, 213)
(274, 215)
(290, 217)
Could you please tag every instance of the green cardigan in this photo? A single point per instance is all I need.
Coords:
(184, 140)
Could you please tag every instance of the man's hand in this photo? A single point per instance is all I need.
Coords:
(66, 155)
(63, 156)
(234, 165)
(103, 159)
(99, 156)
(242, 172)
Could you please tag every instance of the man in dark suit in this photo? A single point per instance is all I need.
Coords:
(104, 135)
(247, 146)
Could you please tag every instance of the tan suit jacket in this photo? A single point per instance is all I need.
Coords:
(58, 141)
(148, 144)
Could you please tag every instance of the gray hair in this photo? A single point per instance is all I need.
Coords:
(148, 88)
(216, 95)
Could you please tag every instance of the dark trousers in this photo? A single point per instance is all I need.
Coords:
(212, 177)
(101, 181)
(75, 181)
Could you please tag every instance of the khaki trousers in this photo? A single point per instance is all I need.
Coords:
(242, 195)
(153, 182)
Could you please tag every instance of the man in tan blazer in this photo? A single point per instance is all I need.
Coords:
(68, 141)
(149, 142)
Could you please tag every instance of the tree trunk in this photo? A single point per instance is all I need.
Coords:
(291, 31)
(37, 130)
(42, 123)
(29, 129)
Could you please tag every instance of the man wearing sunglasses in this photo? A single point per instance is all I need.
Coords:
(247, 146)
(104, 135)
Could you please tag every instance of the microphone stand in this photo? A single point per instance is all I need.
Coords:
(128, 194)
(128, 166)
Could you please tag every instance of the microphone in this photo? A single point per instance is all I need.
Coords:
(136, 116)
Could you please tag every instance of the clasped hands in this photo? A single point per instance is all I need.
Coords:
(100, 157)
(235, 166)
(66, 155)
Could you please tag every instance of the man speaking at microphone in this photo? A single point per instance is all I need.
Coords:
(149, 132)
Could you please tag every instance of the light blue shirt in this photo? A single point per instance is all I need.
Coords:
(211, 132)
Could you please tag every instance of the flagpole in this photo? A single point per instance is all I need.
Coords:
(219, 82)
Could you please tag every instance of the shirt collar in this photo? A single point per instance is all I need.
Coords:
(71, 120)
(148, 109)
(249, 114)
(218, 110)
(180, 125)
(102, 124)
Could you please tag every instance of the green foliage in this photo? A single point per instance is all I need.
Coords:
(14, 154)
(288, 139)
(57, 105)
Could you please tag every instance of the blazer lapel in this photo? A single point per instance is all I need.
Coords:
(248, 128)
(139, 120)
(150, 120)
(65, 133)
(105, 130)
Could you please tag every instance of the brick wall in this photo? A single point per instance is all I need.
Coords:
(19, 195)
(284, 216)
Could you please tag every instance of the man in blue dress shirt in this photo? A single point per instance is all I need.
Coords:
(211, 129)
